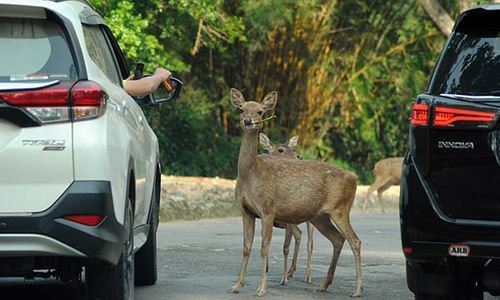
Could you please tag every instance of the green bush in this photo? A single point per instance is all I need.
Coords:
(192, 140)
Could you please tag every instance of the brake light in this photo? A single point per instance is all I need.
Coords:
(53, 104)
(49, 97)
(420, 114)
(447, 116)
(89, 220)
(88, 100)
(407, 250)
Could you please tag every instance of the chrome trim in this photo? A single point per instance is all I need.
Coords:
(21, 245)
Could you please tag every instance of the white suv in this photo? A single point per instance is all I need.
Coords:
(80, 172)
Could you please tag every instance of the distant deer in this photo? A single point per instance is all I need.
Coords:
(387, 172)
(290, 191)
(288, 151)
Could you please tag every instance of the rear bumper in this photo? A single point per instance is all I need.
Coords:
(48, 234)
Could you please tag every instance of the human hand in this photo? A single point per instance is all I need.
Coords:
(163, 73)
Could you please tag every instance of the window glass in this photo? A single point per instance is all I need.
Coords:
(99, 51)
(34, 50)
(471, 62)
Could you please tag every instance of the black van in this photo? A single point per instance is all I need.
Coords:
(450, 185)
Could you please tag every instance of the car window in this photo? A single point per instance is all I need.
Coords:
(99, 51)
(34, 50)
(471, 62)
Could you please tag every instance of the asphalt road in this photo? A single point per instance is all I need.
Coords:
(200, 260)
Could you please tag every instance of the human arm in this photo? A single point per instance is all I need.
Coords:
(147, 85)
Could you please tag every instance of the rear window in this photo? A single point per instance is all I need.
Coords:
(34, 50)
(470, 64)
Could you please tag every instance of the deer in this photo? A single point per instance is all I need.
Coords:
(289, 191)
(288, 151)
(387, 173)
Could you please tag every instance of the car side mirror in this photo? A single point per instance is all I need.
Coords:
(168, 91)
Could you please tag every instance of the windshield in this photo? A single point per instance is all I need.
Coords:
(34, 50)
(471, 63)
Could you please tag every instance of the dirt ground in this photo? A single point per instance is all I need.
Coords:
(194, 198)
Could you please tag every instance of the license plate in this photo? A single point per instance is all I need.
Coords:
(458, 250)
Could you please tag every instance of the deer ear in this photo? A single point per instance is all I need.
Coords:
(270, 101)
(292, 143)
(265, 142)
(237, 98)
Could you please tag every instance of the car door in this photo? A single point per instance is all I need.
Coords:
(143, 147)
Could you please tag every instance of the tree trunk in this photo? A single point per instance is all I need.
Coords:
(438, 15)
(464, 5)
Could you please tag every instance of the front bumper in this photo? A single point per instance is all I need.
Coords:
(48, 234)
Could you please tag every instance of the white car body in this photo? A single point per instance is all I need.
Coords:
(45, 163)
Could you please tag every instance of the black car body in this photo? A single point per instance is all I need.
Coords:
(450, 185)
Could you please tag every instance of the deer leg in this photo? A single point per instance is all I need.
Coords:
(267, 232)
(308, 272)
(286, 250)
(248, 234)
(297, 235)
(375, 186)
(344, 225)
(325, 226)
(387, 184)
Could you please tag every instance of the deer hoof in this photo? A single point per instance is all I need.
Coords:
(356, 294)
(236, 288)
(321, 289)
(308, 277)
(260, 292)
(284, 279)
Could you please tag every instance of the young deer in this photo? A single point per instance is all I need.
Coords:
(287, 151)
(290, 191)
(387, 172)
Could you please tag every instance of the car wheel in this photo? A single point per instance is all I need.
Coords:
(146, 258)
(107, 282)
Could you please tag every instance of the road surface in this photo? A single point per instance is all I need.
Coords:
(200, 260)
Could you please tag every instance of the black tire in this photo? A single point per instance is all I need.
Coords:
(146, 258)
(107, 282)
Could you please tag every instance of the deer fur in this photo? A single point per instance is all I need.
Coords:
(290, 191)
(288, 151)
(387, 173)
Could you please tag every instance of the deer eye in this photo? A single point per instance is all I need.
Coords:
(260, 112)
(241, 110)
(280, 150)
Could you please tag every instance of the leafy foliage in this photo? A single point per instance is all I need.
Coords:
(346, 73)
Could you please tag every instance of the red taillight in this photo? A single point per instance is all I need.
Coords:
(420, 114)
(89, 220)
(407, 250)
(49, 97)
(446, 116)
(52, 104)
(87, 93)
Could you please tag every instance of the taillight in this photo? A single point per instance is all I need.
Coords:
(88, 100)
(53, 104)
(89, 220)
(447, 116)
(49, 97)
(420, 114)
